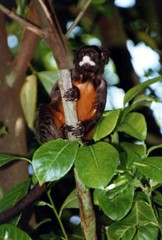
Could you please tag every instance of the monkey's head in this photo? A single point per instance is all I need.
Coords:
(91, 59)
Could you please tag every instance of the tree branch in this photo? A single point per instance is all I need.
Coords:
(30, 26)
(24, 56)
(33, 195)
(58, 45)
(61, 54)
(88, 220)
(80, 15)
(5, 56)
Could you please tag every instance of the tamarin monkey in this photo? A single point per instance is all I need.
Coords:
(89, 90)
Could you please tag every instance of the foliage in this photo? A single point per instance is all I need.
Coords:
(124, 176)
(121, 171)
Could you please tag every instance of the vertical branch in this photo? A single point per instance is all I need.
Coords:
(58, 45)
(28, 44)
(5, 56)
(88, 220)
(14, 142)
(69, 107)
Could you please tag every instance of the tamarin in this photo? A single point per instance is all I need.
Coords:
(89, 90)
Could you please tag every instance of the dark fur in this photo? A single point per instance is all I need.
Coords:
(94, 74)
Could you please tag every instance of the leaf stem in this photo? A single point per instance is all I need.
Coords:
(57, 215)
(80, 15)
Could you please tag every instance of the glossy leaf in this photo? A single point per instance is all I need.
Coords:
(106, 125)
(28, 96)
(8, 231)
(14, 195)
(96, 164)
(134, 125)
(70, 202)
(139, 101)
(158, 199)
(54, 159)
(151, 167)
(148, 231)
(137, 89)
(118, 231)
(142, 213)
(129, 234)
(6, 158)
(132, 147)
(48, 79)
(115, 207)
(139, 221)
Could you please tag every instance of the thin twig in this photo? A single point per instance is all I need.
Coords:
(57, 215)
(80, 15)
(22, 21)
(45, 9)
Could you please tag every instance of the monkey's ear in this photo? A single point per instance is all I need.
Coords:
(105, 53)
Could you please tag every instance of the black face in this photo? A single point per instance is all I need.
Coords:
(91, 59)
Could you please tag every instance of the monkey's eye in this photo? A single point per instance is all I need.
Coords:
(81, 54)
(91, 54)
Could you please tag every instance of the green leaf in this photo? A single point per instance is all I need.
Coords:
(28, 96)
(132, 147)
(129, 234)
(142, 213)
(134, 125)
(115, 207)
(140, 222)
(6, 158)
(137, 89)
(54, 159)
(70, 202)
(139, 101)
(96, 164)
(119, 231)
(131, 158)
(153, 148)
(106, 125)
(3, 130)
(13, 196)
(8, 231)
(158, 199)
(151, 167)
(148, 231)
(48, 79)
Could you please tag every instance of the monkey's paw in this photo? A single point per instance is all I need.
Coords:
(72, 94)
(79, 130)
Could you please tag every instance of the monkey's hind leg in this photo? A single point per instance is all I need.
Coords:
(46, 129)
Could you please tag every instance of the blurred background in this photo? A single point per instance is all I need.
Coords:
(130, 29)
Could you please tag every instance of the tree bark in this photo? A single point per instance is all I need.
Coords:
(14, 142)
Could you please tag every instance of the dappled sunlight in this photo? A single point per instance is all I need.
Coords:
(125, 3)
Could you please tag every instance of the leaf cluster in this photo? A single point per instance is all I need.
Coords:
(124, 176)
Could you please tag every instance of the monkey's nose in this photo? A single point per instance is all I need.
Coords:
(86, 59)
